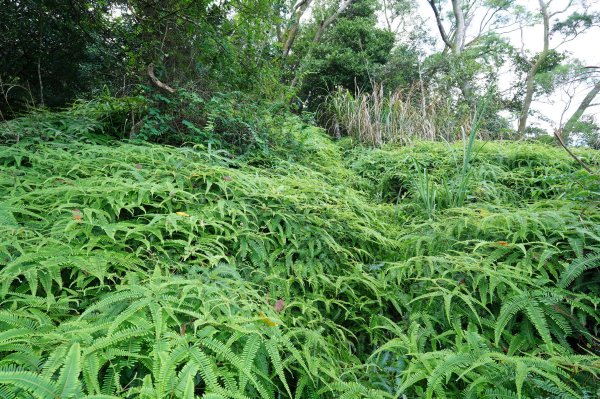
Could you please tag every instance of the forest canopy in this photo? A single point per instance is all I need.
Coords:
(440, 55)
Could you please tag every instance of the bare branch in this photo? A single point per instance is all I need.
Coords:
(158, 82)
(564, 10)
(575, 157)
(570, 125)
(440, 26)
(385, 14)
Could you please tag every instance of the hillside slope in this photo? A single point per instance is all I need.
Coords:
(145, 271)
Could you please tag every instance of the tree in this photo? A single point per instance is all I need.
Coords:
(349, 53)
(573, 123)
(535, 67)
(325, 16)
(215, 45)
(291, 32)
(474, 31)
(578, 21)
(52, 51)
(325, 22)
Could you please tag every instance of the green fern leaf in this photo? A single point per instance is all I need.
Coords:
(578, 267)
(30, 382)
(499, 393)
(271, 346)
(188, 392)
(247, 358)
(508, 311)
(68, 380)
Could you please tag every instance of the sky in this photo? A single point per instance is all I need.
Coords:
(586, 48)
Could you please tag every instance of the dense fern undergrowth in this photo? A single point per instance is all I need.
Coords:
(319, 271)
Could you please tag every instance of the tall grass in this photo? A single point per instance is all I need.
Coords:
(458, 196)
(400, 117)
(454, 192)
(426, 190)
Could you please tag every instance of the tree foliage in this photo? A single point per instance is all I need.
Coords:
(52, 51)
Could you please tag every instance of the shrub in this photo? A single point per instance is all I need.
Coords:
(232, 121)
(97, 120)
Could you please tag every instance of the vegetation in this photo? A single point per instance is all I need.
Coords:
(273, 199)
(136, 270)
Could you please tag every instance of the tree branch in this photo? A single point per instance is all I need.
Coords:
(440, 26)
(575, 157)
(585, 104)
(291, 33)
(158, 82)
(327, 22)
(461, 26)
(530, 81)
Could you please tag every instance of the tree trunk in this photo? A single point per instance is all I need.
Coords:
(324, 24)
(157, 82)
(460, 33)
(456, 42)
(291, 33)
(587, 101)
(39, 63)
(534, 70)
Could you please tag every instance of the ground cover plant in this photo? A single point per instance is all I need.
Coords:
(312, 270)
(293, 199)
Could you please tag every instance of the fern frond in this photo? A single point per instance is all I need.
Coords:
(31, 382)
(578, 267)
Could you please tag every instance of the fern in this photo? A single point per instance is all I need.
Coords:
(578, 267)
(531, 307)
(30, 382)
(143, 271)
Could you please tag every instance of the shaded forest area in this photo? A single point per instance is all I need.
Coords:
(176, 67)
